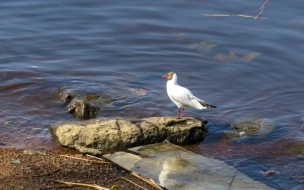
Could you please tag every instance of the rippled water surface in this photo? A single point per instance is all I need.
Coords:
(120, 49)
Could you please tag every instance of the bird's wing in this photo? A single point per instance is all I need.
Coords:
(184, 97)
(199, 100)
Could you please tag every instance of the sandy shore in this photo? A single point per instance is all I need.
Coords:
(22, 169)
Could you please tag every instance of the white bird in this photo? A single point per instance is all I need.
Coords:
(181, 96)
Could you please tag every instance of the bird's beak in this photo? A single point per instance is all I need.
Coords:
(164, 76)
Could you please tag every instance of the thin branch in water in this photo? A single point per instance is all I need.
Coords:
(259, 14)
(245, 16)
(262, 7)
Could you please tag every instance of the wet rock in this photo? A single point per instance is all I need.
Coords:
(294, 147)
(256, 128)
(81, 106)
(82, 109)
(270, 172)
(66, 95)
(122, 133)
(176, 168)
(97, 99)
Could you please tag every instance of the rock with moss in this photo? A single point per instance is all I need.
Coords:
(294, 147)
(81, 106)
(82, 109)
(122, 133)
(256, 128)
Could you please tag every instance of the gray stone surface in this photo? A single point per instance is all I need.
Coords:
(94, 135)
(176, 168)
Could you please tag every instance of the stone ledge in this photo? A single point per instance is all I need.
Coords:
(93, 136)
(176, 168)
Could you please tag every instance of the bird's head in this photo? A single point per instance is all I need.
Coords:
(169, 75)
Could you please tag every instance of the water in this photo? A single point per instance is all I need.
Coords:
(248, 68)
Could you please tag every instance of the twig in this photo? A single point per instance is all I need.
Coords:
(155, 184)
(150, 182)
(94, 157)
(134, 183)
(81, 184)
(86, 159)
(245, 16)
(54, 162)
(146, 180)
(259, 14)
(262, 7)
(230, 182)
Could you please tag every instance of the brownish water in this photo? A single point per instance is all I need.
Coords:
(248, 68)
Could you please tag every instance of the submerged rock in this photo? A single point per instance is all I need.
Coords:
(121, 133)
(256, 128)
(294, 147)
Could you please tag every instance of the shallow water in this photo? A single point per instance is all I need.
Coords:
(248, 68)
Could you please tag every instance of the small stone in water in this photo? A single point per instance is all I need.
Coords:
(271, 172)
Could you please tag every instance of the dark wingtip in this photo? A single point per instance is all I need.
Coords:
(209, 106)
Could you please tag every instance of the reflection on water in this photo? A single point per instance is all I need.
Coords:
(248, 68)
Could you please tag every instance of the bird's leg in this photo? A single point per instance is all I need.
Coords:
(178, 116)
(183, 111)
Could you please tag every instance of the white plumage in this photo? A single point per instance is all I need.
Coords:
(181, 96)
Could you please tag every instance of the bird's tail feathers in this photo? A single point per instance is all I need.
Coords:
(206, 105)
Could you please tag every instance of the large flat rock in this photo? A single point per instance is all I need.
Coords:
(93, 136)
(176, 168)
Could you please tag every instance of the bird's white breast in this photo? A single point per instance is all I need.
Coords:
(179, 95)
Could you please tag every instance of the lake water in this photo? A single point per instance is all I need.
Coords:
(120, 49)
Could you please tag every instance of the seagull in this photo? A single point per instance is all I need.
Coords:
(181, 96)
